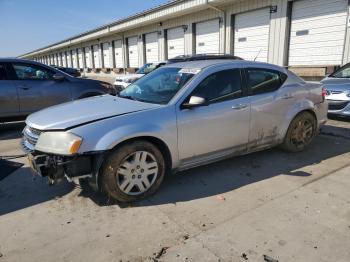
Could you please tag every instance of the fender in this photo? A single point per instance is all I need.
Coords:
(303, 105)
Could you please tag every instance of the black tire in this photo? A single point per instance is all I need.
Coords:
(110, 176)
(301, 132)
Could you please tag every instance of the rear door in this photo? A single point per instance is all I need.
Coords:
(270, 105)
(8, 93)
(37, 89)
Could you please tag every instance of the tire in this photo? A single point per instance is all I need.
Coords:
(301, 132)
(133, 171)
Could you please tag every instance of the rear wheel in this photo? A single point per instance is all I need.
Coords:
(301, 132)
(133, 171)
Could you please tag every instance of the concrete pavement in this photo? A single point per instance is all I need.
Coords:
(291, 207)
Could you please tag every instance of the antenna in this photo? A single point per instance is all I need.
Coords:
(258, 54)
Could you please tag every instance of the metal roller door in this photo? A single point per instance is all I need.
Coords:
(69, 59)
(152, 47)
(133, 52)
(208, 37)
(88, 57)
(74, 58)
(64, 59)
(59, 59)
(80, 58)
(56, 59)
(106, 56)
(318, 32)
(96, 56)
(118, 54)
(251, 35)
(176, 42)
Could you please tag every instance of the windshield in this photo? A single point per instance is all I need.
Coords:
(158, 87)
(147, 68)
(343, 72)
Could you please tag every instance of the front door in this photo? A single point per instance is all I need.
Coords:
(8, 93)
(221, 127)
(37, 88)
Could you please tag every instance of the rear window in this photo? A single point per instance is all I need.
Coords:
(262, 81)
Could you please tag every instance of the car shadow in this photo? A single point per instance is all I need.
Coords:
(11, 130)
(21, 190)
(233, 173)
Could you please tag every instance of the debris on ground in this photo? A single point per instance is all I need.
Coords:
(160, 253)
(185, 237)
(221, 197)
(244, 255)
(108, 235)
(269, 259)
(1, 255)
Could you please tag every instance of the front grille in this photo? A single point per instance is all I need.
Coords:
(337, 105)
(30, 137)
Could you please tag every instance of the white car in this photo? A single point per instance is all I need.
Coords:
(123, 81)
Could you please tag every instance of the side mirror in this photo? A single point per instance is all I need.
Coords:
(195, 101)
(58, 77)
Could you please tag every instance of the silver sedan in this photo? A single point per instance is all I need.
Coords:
(178, 117)
(338, 91)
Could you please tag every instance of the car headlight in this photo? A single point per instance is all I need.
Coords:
(62, 143)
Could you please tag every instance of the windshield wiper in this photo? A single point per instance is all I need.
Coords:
(134, 98)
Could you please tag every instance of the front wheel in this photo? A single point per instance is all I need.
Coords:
(301, 132)
(133, 171)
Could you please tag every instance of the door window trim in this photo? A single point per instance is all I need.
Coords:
(282, 79)
(219, 100)
(30, 65)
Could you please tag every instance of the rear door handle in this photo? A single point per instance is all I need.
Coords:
(24, 87)
(239, 106)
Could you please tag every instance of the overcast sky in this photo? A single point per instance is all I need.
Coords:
(31, 24)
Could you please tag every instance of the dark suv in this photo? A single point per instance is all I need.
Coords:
(28, 86)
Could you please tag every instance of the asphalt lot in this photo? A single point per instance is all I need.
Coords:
(290, 207)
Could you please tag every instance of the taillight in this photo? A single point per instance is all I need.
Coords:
(324, 93)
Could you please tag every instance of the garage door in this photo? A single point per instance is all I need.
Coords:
(69, 59)
(106, 56)
(96, 56)
(252, 35)
(80, 58)
(152, 48)
(133, 52)
(208, 37)
(176, 42)
(74, 58)
(318, 32)
(118, 54)
(64, 59)
(88, 57)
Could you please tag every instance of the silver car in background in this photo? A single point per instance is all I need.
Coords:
(177, 117)
(338, 91)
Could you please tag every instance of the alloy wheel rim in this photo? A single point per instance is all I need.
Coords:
(137, 173)
(302, 133)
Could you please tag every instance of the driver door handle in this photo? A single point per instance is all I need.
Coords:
(287, 96)
(239, 106)
(24, 87)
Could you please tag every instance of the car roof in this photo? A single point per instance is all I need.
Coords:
(14, 59)
(201, 64)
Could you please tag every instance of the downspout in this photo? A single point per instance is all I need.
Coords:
(223, 13)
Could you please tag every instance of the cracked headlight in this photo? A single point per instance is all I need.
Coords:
(61, 143)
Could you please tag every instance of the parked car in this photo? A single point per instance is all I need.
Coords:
(123, 81)
(180, 116)
(338, 91)
(28, 86)
(70, 71)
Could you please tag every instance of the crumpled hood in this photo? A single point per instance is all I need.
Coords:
(128, 76)
(67, 115)
(339, 84)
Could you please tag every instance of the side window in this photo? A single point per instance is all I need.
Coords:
(32, 72)
(3, 73)
(263, 81)
(220, 86)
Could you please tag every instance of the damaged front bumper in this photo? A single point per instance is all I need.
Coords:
(72, 167)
